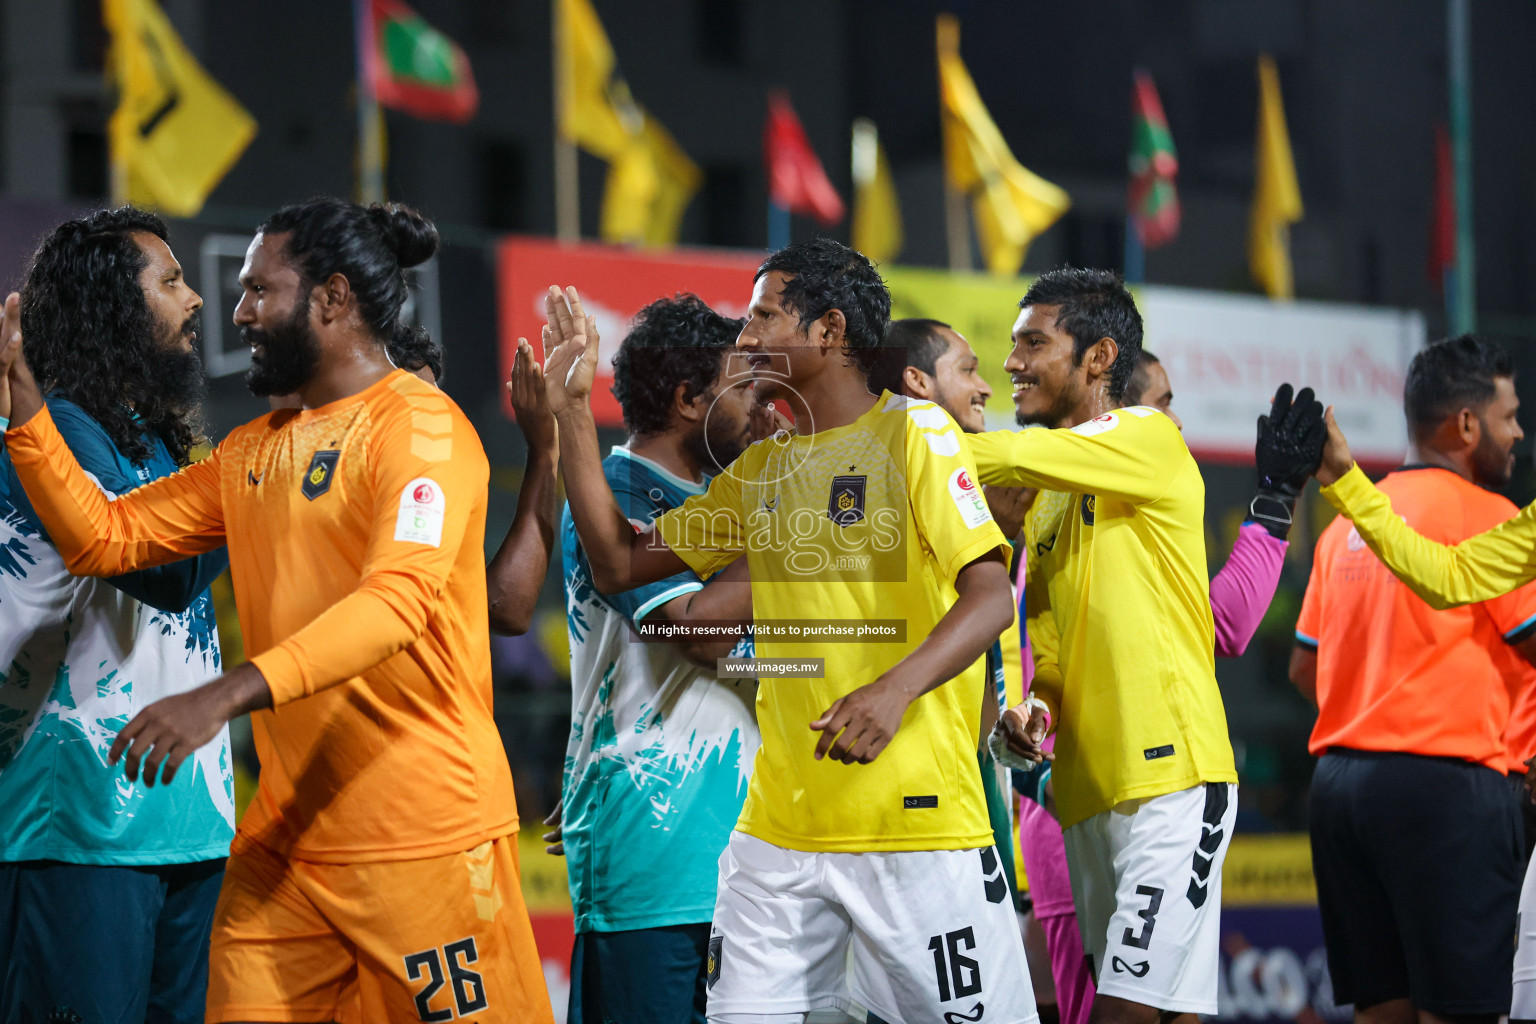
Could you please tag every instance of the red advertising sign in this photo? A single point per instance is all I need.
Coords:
(615, 284)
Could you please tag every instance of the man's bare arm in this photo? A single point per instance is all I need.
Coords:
(857, 727)
(516, 573)
(1303, 672)
(725, 602)
(620, 558)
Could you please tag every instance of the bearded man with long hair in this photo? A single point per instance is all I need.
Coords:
(107, 887)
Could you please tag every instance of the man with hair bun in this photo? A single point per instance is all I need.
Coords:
(374, 877)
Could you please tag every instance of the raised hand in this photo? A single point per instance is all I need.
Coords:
(1336, 458)
(1289, 447)
(1290, 443)
(10, 349)
(531, 403)
(570, 350)
(20, 398)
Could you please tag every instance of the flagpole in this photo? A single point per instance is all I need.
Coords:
(370, 119)
(117, 152)
(956, 229)
(778, 226)
(567, 162)
(1135, 253)
(1459, 40)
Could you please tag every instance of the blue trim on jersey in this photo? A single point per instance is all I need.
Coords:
(655, 467)
(1521, 631)
(1306, 641)
(665, 596)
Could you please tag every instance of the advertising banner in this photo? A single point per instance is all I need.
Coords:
(615, 284)
(1226, 354)
(1274, 966)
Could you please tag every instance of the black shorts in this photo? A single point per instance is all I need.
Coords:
(1419, 862)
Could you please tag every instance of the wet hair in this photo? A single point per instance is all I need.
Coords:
(920, 339)
(91, 337)
(371, 247)
(677, 340)
(1136, 390)
(1092, 304)
(824, 275)
(411, 348)
(1451, 375)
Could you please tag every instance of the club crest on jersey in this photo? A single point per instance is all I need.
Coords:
(1087, 506)
(845, 505)
(317, 478)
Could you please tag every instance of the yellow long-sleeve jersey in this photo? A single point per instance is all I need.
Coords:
(1445, 575)
(1118, 605)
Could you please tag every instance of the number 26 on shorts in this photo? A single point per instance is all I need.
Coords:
(467, 985)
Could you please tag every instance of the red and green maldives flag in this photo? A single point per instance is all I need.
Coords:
(412, 67)
(1153, 202)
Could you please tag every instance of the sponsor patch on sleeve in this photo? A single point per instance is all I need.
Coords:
(422, 508)
(1098, 425)
(968, 499)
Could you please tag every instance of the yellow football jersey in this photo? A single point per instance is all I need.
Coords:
(1480, 568)
(1118, 606)
(863, 526)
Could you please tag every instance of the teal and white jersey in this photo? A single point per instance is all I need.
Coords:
(660, 749)
(79, 657)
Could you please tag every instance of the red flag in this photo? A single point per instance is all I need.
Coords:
(796, 180)
(1442, 225)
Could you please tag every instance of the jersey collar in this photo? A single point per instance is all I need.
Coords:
(661, 471)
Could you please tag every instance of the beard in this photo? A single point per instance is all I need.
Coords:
(717, 442)
(1055, 414)
(1491, 463)
(178, 372)
(290, 352)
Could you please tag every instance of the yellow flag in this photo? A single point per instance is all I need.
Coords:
(1276, 196)
(596, 110)
(876, 213)
(650, 184)
(1011, 205)
(175, 132)
(650, 179)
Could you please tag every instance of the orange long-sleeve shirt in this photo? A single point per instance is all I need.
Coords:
(356, 538)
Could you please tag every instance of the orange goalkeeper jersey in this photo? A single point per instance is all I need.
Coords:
(356, 544)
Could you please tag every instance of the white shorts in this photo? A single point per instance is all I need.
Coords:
(1524, 1005)
(920, 936)
(1146, 881)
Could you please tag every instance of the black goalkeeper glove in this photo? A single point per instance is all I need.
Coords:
(1289, 450)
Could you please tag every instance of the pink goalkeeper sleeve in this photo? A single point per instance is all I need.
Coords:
(1241, 592)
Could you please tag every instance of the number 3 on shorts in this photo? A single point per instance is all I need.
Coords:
(468, 987)
(1148, 915)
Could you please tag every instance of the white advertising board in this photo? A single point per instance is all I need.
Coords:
(1226, 354)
